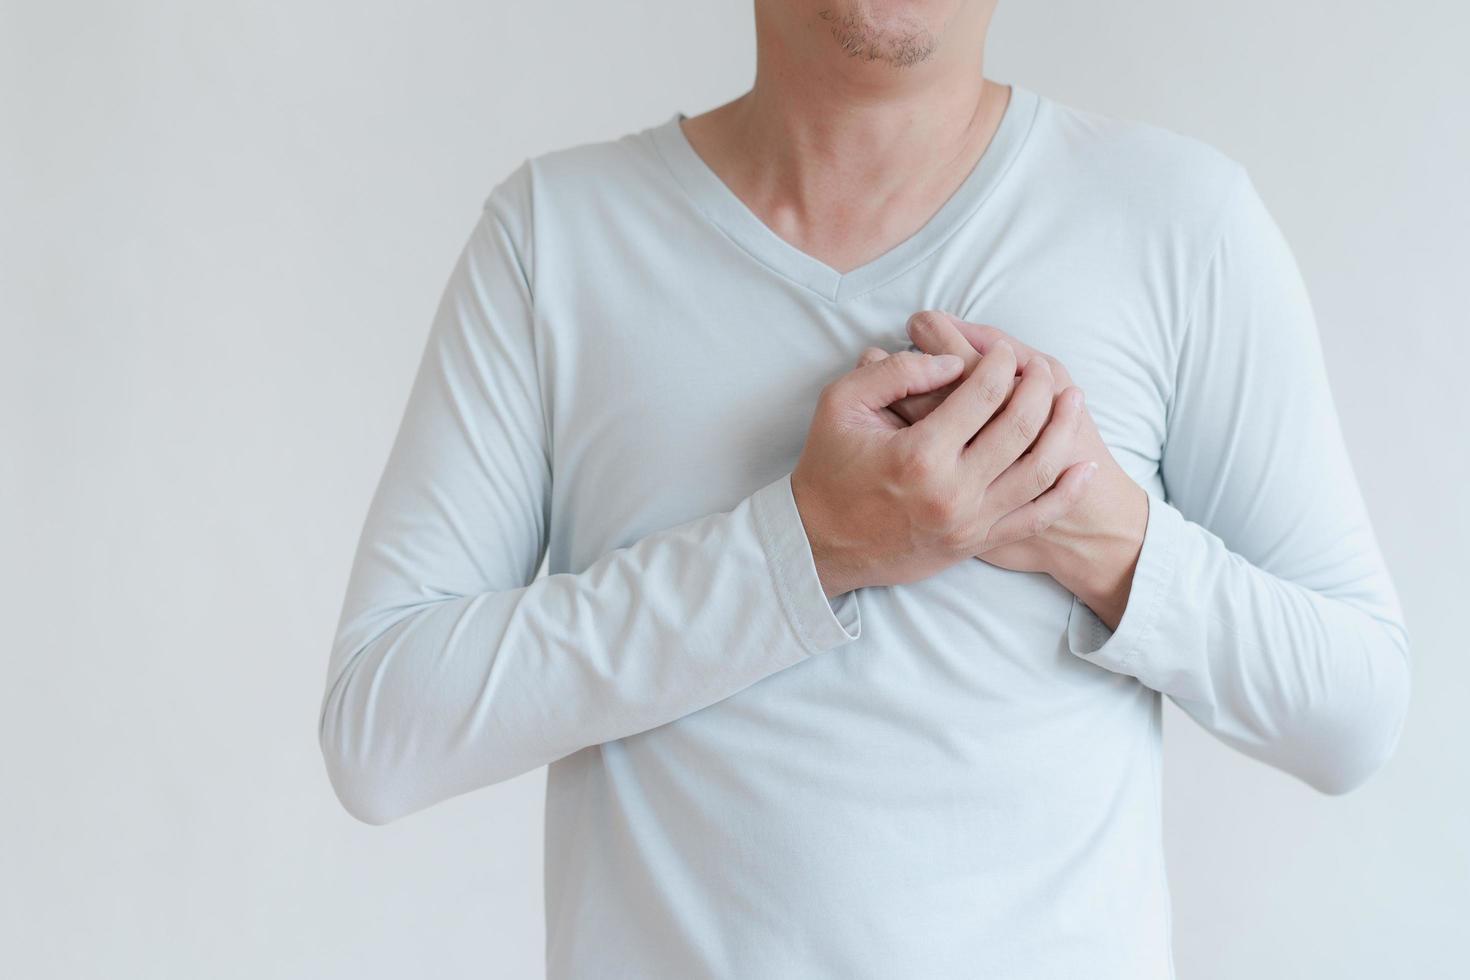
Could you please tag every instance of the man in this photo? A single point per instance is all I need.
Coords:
(848, 671)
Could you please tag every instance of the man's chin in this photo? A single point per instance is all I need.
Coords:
(899, 41)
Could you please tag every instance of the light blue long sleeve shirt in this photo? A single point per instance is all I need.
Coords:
(958, 777)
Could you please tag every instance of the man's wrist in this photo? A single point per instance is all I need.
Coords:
(831, 581)
(836, 578)
(1096, 564)
(829, 570)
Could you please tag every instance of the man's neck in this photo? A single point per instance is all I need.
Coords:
(845, 158)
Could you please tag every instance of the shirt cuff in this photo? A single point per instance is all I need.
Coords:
(819, 623)
(1090, 638)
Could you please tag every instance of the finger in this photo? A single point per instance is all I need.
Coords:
(916, 407)
(883, 382)
(893, 414)
(1033, 518)
(1014, 428)
(1034, 472)
(982, 337)
(956, 419)
(933, 332)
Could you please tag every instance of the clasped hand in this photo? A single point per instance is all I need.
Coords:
(973, 445)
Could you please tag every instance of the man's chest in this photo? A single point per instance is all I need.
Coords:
(675, 401)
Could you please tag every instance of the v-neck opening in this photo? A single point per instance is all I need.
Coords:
(729, 213)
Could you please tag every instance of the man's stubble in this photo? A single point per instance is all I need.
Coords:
(903, 44)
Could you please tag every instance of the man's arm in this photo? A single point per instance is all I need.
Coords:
(453, 669)
(1260, 602)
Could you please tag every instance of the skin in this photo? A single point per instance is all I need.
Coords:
(885, 502)
(863, 119)
(845, 154)
(1092, 550)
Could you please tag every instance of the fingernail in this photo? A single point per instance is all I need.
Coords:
(948, 361)
(1077, 401)
(1089, 471)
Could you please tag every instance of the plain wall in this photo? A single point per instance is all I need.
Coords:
(223, 232)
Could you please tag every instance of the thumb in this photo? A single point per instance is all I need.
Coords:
(880, 383)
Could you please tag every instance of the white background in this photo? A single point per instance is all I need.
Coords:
(223, 232)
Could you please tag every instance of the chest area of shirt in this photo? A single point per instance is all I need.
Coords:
(676, 400)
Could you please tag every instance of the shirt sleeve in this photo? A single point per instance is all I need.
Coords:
(453, 667)
(1260, 603)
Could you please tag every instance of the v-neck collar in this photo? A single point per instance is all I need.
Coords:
(726, 210)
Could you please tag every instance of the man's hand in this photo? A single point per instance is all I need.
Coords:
(886, 502)
(1093, 549)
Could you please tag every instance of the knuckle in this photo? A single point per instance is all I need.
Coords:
(958, 537)
(1076, 492)
(916, 462)
(1026, 426)
(1044, 471)
(1038, 521)
(940, 510)
(830, 396)
(990, 391)
(1065, 411)
(904, 360)
(1079, 416)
